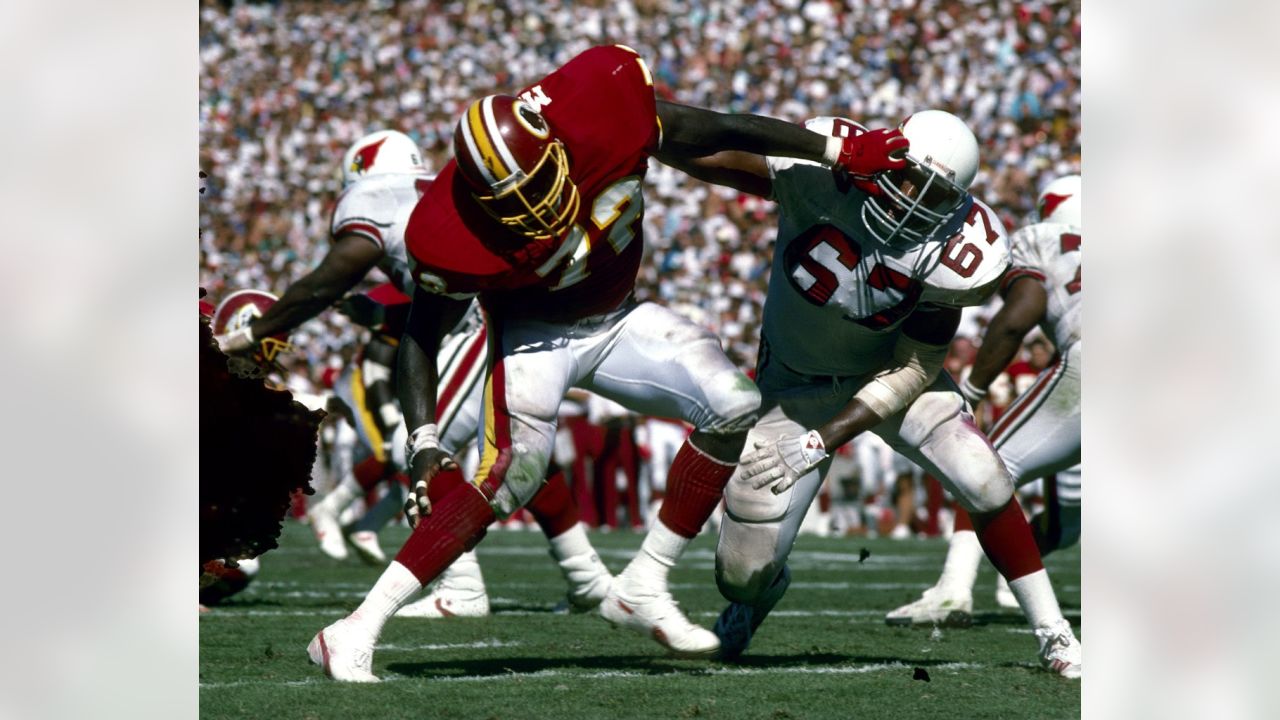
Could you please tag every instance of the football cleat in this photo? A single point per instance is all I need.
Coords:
(365, 543)
(1060, 651)
(589, 581)
(738, 623)
(937, 606)
(458, 592)
(344, 652)
(324, 522)
(1004, 596)
(652, 611)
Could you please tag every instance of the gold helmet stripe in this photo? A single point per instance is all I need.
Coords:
(479, 143)
(494, 135)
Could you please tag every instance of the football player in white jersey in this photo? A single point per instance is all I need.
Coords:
(384, 176)
(868, 278)
(1039, 434)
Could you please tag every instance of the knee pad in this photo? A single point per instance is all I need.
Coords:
(520, 471)
(930, 410)
(746, 559)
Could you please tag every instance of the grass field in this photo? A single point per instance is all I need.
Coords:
(825, 652)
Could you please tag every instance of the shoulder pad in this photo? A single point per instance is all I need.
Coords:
(971, 262)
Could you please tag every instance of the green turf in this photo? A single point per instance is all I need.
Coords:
(824, 653)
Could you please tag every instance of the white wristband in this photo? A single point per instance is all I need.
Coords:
(971, 392)
(832, 153)
(426, 436)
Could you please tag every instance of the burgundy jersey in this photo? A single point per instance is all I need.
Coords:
(601, 106)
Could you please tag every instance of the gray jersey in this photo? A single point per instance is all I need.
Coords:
(378, 208)
(1051, 253)
(836, 295)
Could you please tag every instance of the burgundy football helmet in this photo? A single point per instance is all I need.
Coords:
(237, 311)
(518, 171)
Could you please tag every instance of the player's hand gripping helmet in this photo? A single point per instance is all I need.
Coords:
(232, 318)
(1059, 202)
(517, 170)
(911, 204)
(379, 153)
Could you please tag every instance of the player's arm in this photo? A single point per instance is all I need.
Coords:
(350, 258)
(742, 171)
(1024, 306)
(690, 132)
(918, 356)
(430, 317)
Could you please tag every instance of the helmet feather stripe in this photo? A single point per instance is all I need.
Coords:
(499, 143)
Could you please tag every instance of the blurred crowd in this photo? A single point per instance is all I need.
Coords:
(285, 88)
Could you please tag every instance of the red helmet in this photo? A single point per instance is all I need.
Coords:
(518, 171)
(238, 310)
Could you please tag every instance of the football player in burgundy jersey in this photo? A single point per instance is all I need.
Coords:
(1039, 434)
(540, 216)
(383, 177)
(864, 298)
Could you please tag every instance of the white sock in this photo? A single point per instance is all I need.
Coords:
(570, 543)
(1036, 598)
(661, 549)
(964, 554)
(394, 588)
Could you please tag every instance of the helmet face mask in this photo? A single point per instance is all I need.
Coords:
(518, 172)
(541, 204)
(909, 206)
(913, 203)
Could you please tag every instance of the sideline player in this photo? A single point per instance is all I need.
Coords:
(384, 176)
(864, 298)
(1039, 435)
(540, 215)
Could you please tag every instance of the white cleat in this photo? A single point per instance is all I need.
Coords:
(652, 611)
(900, 532)
(1004, 596)
(936, 606)
(1060, 651)
(589, 581)
(458, 592)
(365, 543)
(345, 652)
(328, 531)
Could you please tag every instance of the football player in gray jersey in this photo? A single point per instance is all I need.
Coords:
(868, 279)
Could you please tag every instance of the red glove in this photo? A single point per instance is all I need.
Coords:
(872, 152)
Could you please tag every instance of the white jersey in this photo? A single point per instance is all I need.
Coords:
(378, 208)
(1050, 253)
(836, 295)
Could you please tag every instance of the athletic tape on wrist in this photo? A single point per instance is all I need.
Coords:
(425, 436)
(832, 154)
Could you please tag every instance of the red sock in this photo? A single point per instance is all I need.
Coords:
(963, 521)
(456, 523)
(1006, 538)
(694, 486)
(553, 507)
(445, 482)
(368, 472)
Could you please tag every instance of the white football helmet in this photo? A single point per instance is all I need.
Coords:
(1059, 202)
(385, 151)
(913, 203)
